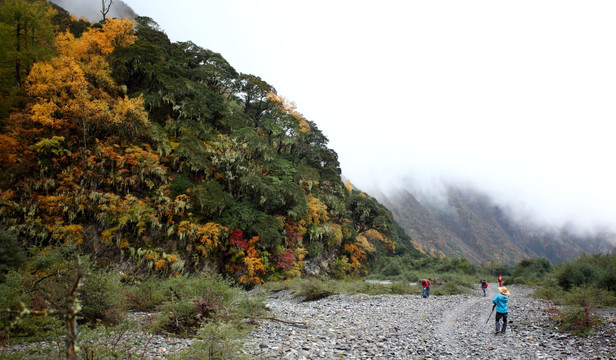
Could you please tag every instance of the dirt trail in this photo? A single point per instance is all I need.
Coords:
(452, 328)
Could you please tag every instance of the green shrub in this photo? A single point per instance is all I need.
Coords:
(193, 302)
(448, 288)
(315, 248)
(180, 184)
(549, 290)
(368, 288)
(42, 284)
(105, 342)
(494, 269)
(12, 256)
(340, 268)
(182, 317)
(457, 264)
(392, 269)
(587, 296)
(314, 290)
(101, 298)
(217, 340)
(459, 279)
(579, 321)
(574, 274)
(402, 288)
(607, 276)
(146, 295)
(596, 270)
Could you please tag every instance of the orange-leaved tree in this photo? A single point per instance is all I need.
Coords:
(244, 260)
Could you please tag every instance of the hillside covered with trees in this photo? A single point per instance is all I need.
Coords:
(161, 158)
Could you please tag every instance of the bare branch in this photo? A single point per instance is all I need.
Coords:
(105, 8)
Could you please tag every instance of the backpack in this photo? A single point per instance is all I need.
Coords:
(484, 284)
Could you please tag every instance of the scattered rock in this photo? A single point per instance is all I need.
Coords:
(410, 327)
(396, 327)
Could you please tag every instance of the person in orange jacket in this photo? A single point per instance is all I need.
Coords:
(500, 280)
(425, 283)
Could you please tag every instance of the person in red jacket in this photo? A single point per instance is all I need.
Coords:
(500, 280)
(425, 283)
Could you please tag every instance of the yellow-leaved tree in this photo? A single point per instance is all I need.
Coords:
(67, 89)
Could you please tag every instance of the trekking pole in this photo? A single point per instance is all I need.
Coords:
(493, 306)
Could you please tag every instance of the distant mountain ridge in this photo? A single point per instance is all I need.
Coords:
(474, 227)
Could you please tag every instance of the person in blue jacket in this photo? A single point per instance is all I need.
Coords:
(500, 300)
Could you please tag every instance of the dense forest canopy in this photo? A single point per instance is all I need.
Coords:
(162, 156)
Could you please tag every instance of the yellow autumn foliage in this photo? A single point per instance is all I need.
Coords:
(366, 245)
(335, 239)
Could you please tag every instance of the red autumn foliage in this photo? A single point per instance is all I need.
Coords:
(285, 260)
(293, 236)
(237, 238)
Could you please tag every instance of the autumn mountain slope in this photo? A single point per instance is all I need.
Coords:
(161, 156)
(473, 226)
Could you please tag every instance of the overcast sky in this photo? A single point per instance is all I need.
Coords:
(516, 98)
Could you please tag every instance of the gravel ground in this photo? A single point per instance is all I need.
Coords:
(410, 327)
(394, 327)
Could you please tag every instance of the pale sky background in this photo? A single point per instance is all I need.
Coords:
(516, 98)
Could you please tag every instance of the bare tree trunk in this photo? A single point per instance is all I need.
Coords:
(70, 316)
(105, 8)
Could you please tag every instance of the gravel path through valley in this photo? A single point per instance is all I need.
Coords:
(410, 327)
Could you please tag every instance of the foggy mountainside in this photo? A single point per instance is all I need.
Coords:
(156, 202)
(162, 156)
(474, 227)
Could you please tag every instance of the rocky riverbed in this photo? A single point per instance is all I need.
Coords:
(391, 327)
(411, 327)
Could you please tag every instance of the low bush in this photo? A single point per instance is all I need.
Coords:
(12, 255)
(586, 296)
(403, 288)
(146, 295)
(531, 271)
(578, 321)
(597, 271)
(43, 284)
(549, 290)
(193, 302)
(181, 317)
(216, 340)
(340, 268)
(314, 290)
(449, 288)
(102, 298)
(575, 274)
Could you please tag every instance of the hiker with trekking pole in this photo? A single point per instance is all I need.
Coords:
(500, 303)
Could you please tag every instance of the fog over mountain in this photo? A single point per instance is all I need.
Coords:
(468, 223)
(91, 9)
(548, 204)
